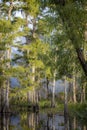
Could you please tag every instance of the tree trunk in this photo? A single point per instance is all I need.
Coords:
(82, 60)
(28, 96)
(84, 94)
(37, 98)
(7, 97)
(66, 101)
(66, 113)
(83, 97)
(7, 83)
(3, 98)
(47, 85)
(79, 51)
(53, 91)
(10, 9)
(70, 92)
(7, 57)
(33, 80)
(74, 88)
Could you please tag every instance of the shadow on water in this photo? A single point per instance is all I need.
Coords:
(39, 121)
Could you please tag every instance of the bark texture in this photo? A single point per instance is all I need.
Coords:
(53, 91)
(82, 60)
(74, 88)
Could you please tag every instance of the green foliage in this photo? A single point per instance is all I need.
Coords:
(31, 7)
(53, 31)
(79, 111)
(44, 103)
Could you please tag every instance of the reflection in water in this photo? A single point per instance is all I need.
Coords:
(66, 122)
(70, 123)
(39, 121)
(74, 123)
(53, 123)
(33, 120)
(4, 121)
(84, 128)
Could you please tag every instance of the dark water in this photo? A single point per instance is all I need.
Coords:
(39, 121)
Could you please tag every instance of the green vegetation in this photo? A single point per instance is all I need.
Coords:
(79, 110)
(41, 42)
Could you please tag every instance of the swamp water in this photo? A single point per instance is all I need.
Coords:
(39, 121)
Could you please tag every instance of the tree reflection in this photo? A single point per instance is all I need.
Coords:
(66, 116)
(39, 121)
(74, 123)
(48, 119)
(66, 121)
(4, 121)
(70, 123)
(33, 120)
(84, 128)
(53, 125)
